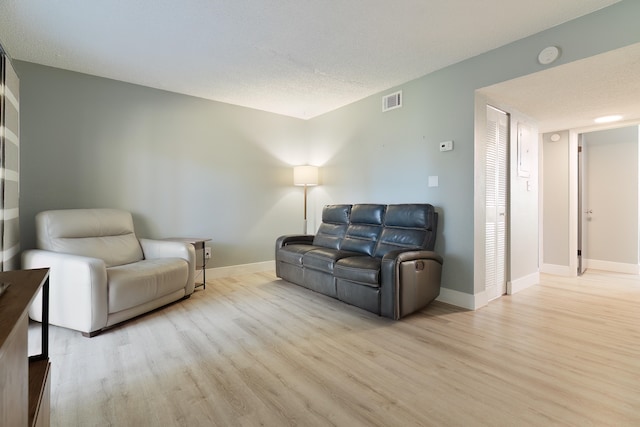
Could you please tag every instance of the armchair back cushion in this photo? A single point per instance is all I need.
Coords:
(106, 234)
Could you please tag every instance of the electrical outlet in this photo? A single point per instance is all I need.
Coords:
(207, 252)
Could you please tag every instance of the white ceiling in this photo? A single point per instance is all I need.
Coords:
(299, 58)
(572, 95)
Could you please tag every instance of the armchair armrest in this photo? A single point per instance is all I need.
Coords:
(77, 289)
(172, 249)
(294, 239)
(409, 281)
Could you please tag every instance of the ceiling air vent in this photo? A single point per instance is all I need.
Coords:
(389, 102)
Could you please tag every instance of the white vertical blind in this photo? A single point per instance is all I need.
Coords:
(9, 165)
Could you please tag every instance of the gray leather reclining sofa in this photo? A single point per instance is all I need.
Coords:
(376, 257)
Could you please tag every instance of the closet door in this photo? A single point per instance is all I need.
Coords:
(496, 168)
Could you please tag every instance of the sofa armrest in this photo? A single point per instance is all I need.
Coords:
(294, 239)
(78, 296)
(153, 249)
(409, 281)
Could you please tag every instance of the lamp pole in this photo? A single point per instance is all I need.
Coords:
(305, 176)
(304, 230)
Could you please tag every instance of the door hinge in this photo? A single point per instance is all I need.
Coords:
(579, 252)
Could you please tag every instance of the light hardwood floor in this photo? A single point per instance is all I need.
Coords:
(254, 350)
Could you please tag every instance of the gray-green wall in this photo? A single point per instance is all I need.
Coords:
(183, 166)
(187, 166)
(556, 206)
(387, 157)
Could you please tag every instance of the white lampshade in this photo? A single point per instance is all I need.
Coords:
(305, 175)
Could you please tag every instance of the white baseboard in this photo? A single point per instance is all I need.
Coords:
(522, 283)
(235, 270)
(558, 270)
(617, 267)
(462, 299)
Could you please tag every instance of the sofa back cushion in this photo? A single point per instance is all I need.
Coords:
(98, 233)
(335, 219)
(407, 226)
(364, 228)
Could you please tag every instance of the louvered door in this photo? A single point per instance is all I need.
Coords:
(496, 168)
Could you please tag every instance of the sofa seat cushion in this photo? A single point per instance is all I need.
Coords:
(292, 254)
(137, 283)
(361, 269)
(323, 259)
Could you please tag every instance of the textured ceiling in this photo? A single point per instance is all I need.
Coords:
(299, 58)
(572, 95)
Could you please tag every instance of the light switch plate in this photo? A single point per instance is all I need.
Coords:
(433, 181)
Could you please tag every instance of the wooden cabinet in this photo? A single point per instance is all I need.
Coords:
(24, 381)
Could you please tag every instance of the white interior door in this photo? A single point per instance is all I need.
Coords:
(496, 168)
(583, 208)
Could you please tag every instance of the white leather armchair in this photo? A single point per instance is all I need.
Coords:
(101, 274)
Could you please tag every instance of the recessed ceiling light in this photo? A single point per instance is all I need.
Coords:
(608, 119)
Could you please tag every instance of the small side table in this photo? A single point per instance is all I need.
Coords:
(198, 244)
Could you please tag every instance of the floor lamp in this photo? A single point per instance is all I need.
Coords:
(305, 176)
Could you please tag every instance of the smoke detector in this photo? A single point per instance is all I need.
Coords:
(548, 55)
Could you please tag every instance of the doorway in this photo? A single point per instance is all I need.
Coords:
(583, 209)
(608, 200)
